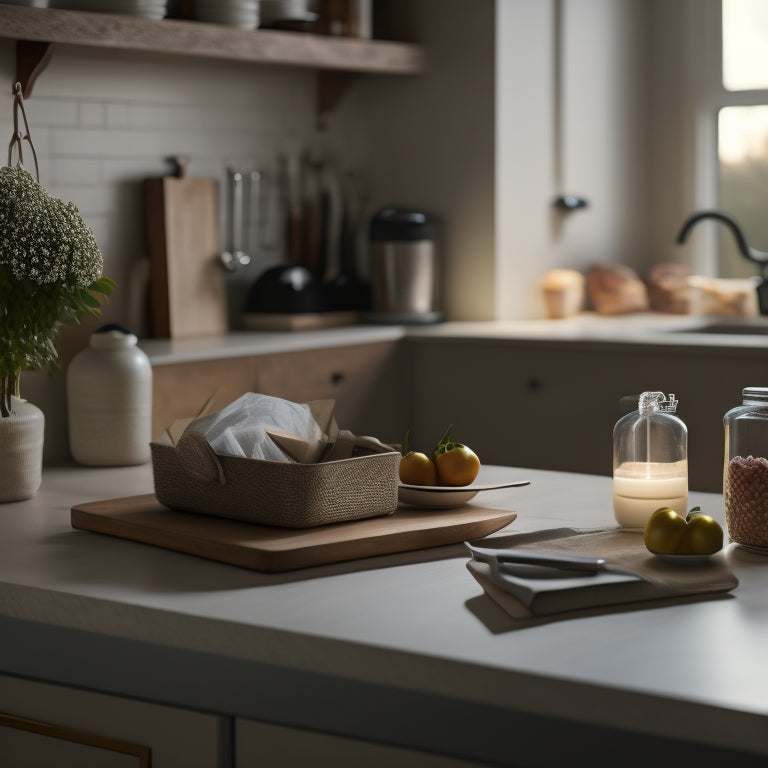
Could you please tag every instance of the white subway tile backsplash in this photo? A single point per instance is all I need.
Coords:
(74, 171)
(51, 112)
(91, 114)
(116, 115)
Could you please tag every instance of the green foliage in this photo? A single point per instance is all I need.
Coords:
(50, 273)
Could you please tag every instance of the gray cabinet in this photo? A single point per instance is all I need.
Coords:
(260, 744)
(553, 405)
(365, 380)
(43, 724)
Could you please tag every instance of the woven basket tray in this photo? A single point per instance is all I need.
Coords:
(192, 478)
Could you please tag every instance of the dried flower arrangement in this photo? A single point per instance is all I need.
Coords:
(50, 269)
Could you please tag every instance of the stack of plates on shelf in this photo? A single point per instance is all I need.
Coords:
(28, 3)
(149, 9)
(233, 13)
(284, 12)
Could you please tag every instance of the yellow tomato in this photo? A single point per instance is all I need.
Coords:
(663, 531)
(703, 536)
(417, 469)
(457, 464)
(667, 533)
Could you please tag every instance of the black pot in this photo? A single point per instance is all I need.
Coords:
(285, 289)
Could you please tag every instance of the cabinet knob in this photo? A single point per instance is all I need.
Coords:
(337, 377)
(534, 384)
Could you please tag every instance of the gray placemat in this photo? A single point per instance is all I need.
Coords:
(524, 594)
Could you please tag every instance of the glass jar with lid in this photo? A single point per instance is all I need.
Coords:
(650, 461)
(745, 471)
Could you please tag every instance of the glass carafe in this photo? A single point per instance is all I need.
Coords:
(650, 461)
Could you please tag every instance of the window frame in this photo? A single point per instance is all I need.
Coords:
(705, 65)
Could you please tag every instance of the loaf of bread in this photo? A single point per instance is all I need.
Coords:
(615, 289)
(669, 288)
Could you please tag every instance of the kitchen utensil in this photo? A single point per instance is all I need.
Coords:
(187, 291)
(586, 566)
(445, 497)
(239, 221)
(264, 548)
(290, 177)
(346, 290)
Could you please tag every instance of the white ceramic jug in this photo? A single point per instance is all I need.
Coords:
(109, 400)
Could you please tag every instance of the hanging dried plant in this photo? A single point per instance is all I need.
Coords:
(50, 268)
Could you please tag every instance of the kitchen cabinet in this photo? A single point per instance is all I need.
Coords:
(337, 59)
(365, 380)
(554, 405)
(279, 747)
(43, 724)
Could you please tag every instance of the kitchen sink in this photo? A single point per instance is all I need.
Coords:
(737, 326)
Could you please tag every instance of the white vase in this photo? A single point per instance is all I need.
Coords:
(109, 401)
(21, 451)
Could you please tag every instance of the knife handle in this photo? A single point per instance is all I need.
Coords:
(564, 562)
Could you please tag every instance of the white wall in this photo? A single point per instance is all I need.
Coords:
(473, 140)
(102, 121)
(431, 142)
(575, 126)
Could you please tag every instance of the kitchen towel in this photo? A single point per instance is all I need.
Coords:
(525, 593)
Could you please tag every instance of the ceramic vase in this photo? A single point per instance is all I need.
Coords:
(109, 401)
(21, 451)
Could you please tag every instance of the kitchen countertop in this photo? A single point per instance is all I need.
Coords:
(402, 648)
(586, 329)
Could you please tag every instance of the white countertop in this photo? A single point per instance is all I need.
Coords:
(415, 625)
(588, 328)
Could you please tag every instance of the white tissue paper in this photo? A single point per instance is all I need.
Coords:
(248, 426)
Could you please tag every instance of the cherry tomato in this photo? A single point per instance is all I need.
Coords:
(416, 468)
(667, 533)
(457, 464)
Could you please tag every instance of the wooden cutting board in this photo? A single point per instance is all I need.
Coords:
(264, 548)
(187, 289)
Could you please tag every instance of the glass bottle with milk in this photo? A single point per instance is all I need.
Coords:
(650, 461)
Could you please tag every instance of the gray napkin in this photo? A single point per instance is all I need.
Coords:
(641, 576)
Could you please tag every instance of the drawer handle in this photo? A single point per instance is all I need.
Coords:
(337, 377)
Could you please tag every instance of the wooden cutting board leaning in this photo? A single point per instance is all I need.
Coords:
(188, 294)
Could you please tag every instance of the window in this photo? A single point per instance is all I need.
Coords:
(742, 130)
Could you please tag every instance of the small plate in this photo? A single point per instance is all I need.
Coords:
(686, 559)
(446, 496)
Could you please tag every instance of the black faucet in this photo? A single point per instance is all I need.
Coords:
(759, 257)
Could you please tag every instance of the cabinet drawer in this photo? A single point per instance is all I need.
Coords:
(260, 744)
(179, 390)
(44, 724)
(362, 379)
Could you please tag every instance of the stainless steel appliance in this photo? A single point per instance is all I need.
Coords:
(402, 252)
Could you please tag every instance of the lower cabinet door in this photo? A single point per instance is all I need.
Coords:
(50, 725)
(262, 744)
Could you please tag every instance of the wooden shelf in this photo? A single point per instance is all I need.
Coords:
(36, 29)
